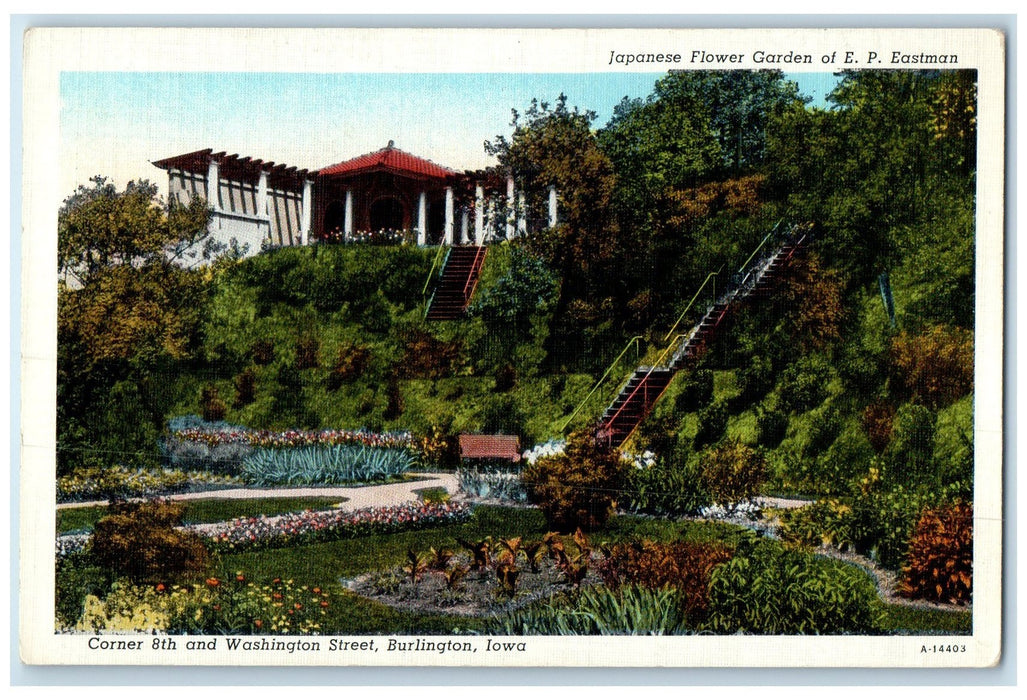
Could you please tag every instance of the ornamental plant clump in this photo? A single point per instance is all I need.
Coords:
(127, 482)
(683, 566)
(765, 589)
(579, 487)
(732, 472)
(939, 567)
(330, 464)
(143, 541)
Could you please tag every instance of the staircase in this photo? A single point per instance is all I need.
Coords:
(637, 398)
(457, 283)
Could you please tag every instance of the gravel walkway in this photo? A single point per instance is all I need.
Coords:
(357, 497)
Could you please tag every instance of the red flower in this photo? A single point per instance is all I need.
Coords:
(213, 582)
(160, 587)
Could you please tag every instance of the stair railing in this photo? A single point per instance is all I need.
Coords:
(472, 276)
(434, 266)
(633, 341)
(645, 380)
(711, 276)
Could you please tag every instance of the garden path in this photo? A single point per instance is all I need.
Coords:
(357, 497)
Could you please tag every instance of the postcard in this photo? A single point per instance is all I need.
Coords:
(499, 348)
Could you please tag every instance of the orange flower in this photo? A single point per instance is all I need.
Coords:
(324, 603)
(317, 590)
(240, 577)
(277, 596)
(258, 623)
(160, 587)
(297, 606)
(213, 582)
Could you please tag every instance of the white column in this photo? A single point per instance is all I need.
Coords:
(422, 219)
(479, 214)
(262, 194)
(213, 186)
(511, 214)
(464, 221)
(522, 215)
(449, 216)
(552, 206)
(305, 212)
(490, 229)
(347, 222)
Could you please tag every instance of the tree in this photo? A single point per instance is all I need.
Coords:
(99, 228)
(126, 314)
(553, 145)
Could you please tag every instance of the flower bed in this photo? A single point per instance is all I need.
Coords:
(323, 526)
(125, 482)
(213, 436)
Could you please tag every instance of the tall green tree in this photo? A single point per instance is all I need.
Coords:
(128, 312)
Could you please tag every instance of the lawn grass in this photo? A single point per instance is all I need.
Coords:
(903, 618)
(210, 510)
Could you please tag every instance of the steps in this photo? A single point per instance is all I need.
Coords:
(457, 283)
(647, 384)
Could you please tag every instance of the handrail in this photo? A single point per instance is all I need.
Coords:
(698, 291)
(434, 265)
(655, 366)
(472, 276)
(601, 380)
(762, 243)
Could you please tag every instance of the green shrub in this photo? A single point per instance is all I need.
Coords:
(910, 455)
(939, 567)
(683, 566)
(824, 522)
(140, 541)
(712, 424)
(666, 489)
(262, 352)
(883, 522)
(578, 487)
(804, 384)
(77, 576)
(696, 392)
(878, 420)
(765, 589)
(771, 427)
(732, 472)
(821, 430)
(756, 379)
(630, 610)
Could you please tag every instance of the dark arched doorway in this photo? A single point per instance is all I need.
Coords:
(335, 222)
(387, 213)
(436, 220)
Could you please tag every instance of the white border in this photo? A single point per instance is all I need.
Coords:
(50, 51)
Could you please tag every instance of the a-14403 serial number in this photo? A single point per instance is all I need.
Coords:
(943, 648)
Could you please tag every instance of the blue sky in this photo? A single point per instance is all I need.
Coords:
(115, 124)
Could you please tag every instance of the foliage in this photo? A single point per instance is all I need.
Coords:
(696, 392)
(630, 610)
(99, 228)
(883, 522)
(666, 489)
(578, 487)
(527, 288)
(712, 424)
(771, 426)
(910, 455)
(732, 472)
(940, 562)
(823, 522)
(765, 589)
(329, 464)
(803, 384)
(140, 541)
(935, 367)
(877, 420)
(245, 388)
(307, 353)
(427, 356)
(212, 406)
(683, 566)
